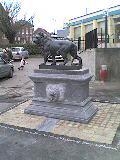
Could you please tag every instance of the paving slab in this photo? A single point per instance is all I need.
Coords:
(101, 129)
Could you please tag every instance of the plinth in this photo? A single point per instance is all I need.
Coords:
(62, 92)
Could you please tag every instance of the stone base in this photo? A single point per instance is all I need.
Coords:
(62, 92)
(60, 67)
(82, 112)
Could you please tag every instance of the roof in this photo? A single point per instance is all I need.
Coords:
(94, 16)
(38, 30)
(24, 22)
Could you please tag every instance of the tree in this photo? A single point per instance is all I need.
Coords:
(2, 18)
(12, 8)
(7, 21)
(10, 26)
(5, 25)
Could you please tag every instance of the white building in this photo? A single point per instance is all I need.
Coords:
(79, 26)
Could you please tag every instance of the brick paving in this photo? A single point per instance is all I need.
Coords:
(102, 128)
(17, 117)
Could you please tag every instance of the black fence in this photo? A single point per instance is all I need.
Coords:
(91, 39)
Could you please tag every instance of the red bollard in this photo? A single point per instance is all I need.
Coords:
(103, 73)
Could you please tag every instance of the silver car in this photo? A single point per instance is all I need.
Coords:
(6, 69)
(57, 58)
(18, 52)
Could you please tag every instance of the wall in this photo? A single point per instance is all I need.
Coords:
(111, 58)
(88, 58)
(94, 58)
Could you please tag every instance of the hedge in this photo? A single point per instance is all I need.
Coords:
(32, 48)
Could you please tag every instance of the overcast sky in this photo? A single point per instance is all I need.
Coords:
(51, 14)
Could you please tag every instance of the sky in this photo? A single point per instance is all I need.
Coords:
(51, 14)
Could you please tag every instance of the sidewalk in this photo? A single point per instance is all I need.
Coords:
(28, 137)
(105, 91)
(101, 129)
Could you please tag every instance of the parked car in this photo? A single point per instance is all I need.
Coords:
(57, 58)
(18, 52)
(6, 69)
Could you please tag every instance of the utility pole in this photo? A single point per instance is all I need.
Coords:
(54, 25)
(106, 28)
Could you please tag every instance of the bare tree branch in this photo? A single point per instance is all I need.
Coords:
(13, 8)
(8, 23)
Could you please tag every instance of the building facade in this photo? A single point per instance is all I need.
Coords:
(79, 26)
(25, 32)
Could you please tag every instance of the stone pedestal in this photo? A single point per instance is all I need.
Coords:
(62, 92)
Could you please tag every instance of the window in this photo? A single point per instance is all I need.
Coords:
(4, 37)
(31, 31)
(23, 31)
(30, 39)
(27, 31)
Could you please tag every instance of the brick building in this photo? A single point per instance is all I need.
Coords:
(25, 33)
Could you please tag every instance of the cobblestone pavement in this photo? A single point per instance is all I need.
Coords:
(102, 127)
(20, 87)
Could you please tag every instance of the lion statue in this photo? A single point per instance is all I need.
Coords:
(52, 47)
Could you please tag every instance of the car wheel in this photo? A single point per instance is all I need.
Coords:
(13, 69)
(10, 73)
